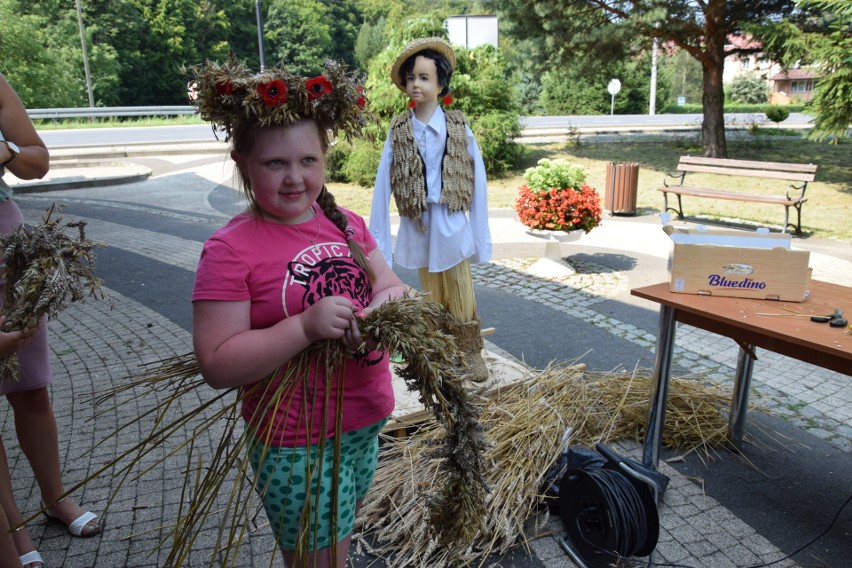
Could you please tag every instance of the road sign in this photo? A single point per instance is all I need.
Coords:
(613, 88)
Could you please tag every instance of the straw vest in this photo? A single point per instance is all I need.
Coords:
(408, 171)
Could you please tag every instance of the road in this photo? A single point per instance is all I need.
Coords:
(531, 126)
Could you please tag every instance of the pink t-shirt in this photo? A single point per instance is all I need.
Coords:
(278, 268)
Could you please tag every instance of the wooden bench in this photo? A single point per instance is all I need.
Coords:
(795, 195)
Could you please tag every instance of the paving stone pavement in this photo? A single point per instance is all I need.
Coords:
(99, 344)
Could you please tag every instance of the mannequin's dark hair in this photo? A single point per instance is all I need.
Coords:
(442, 64)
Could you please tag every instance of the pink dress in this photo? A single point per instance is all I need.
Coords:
(35, 357)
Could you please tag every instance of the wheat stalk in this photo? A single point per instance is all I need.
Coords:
(45, 271)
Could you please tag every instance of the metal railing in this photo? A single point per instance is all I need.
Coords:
(107, 112)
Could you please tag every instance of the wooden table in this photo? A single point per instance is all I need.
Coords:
(739, 319)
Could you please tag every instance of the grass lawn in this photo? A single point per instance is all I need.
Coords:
(826, 214)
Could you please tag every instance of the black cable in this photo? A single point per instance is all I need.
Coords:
(813, 540)
(788, 556)
(626, 512)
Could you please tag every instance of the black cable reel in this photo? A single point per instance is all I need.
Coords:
(610, 512)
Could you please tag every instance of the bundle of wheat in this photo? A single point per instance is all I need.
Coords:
(45, 271)
(459, 488)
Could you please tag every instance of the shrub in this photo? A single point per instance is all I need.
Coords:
(777, 113)
(556, 197)
(494, 133)
(748, 88)
(335, 161)
(362, 163)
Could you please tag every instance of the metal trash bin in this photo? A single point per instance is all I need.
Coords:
(622, 181)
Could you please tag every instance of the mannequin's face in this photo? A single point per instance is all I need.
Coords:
(421, 84)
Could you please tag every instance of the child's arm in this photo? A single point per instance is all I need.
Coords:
(231, 354)
(12, 341)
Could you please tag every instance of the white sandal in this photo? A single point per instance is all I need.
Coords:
(77, 525)
(30, 558)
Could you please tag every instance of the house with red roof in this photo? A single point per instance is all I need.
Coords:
(793, 85)
(744, 54)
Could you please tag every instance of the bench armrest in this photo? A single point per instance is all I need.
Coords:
(797, 192)
(679, 175)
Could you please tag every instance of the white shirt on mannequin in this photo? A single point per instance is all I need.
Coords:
(449, 237)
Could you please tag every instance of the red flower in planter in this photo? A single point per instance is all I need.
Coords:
(566, 209)
(556, 197)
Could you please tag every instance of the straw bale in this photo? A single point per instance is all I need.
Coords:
(525, 423)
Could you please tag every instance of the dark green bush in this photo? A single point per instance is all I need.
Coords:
(335, 161)
(494, 133)
(729, 107)
(362, 163)
(777, 113)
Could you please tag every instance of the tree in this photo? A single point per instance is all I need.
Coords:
(748, 88)
(605, 28)
(584, 91)
(43, 65)
(818, 34)
(372, 38)
(683, 73)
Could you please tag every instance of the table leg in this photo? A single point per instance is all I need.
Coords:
(659, 387)
(739, 401)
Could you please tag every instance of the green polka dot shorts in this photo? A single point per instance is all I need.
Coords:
(281, 480)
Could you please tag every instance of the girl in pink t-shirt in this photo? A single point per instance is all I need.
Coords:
(293, 269)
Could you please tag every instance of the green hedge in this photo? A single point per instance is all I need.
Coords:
(729, 107)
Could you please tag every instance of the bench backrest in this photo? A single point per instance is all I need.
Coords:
(771, 170)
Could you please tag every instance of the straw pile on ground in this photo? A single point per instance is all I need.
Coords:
(525, 423)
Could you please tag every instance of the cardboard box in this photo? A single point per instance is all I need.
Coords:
(741, 264)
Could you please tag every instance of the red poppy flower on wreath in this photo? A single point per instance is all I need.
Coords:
(447, 100)
(225, 88)
(361, 102)
(318, 86)
(274, 93)
(411, 104)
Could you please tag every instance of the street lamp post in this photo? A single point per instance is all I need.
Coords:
(652, 104)
(260, 34)
(85, 55)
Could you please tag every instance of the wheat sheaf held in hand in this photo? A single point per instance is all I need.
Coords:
(45, 271)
